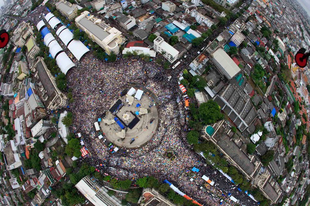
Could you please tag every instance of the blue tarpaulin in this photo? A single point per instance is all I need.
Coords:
(232, 33)
(187, 28)
(99, 119)
(273, 112)
(29, 92)
(172, 28)
(48, 9)
(194, 169)
(45, 31)
(138, 105)
(168, 34)
(18, 50)
(232, 44)
(257, 43)
(137, 113)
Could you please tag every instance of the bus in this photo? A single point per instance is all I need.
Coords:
(177, 64)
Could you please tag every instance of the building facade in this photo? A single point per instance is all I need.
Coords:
(52, 97)
(67, 9)
(96, 193)
(168, 6)
(168, 51)
(108, 38)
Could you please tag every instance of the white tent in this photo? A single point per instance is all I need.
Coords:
(131, 91)
(66, 36)
(48, 16)
(40, 25)
(48, 38)
(64, 62)
(60, 29)
(77, 48)
(139, 94)
(54, 22)
(54, 48)
(255, 138)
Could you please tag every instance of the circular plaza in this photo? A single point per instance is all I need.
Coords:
(132, 120)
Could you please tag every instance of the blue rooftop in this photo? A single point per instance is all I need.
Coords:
(45, 31)
(172, 28)
(189, 37)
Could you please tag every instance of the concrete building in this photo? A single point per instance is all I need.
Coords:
(200, 18)
(23, 71)
(127, 22)
(196, 2)
(168, 6)
(139, 48)
(32, 48)
(98, 4)
(227, 2)
(96, 193)
(113, 9)
(238, 38)
(21, 33)
(52, 97)
(108, 38)
(225, 64)
(168, 51)
(151, 197)
(237, 105)
(251, 167)
(11, 156)
(67, 9)
(40, 128)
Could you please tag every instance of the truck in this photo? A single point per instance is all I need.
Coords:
(97, 128)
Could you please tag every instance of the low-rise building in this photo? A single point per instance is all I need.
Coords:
(21, 33)
(96, 193)
(127, 22)
(168, 6)
(22, 71)
(40, 128)
(67, 9)
(168, 51)
(32, 48)
(11, 156)
(151, 197)
(52, 97)
(108, 38)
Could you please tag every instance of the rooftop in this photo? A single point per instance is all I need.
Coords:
(269, 190)
(94, 29)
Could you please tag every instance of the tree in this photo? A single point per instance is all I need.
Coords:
(142, 182)
(125, 184)
(251, 148)
(199, 82)
(191, 92)
(163, 188)
(152, 37)
(192, 137)
(193, 27)
(24, 49)
(222, 21)
(196, 42)
(133, 196)
(268, 157)
(73, 148)
(234, 129)
(233, 50)
(67, 120)
(39, 146)
(210, 112)
(173, 40)
(112, 57)
(76, 34)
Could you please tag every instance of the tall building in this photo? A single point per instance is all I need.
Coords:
(108, 38)
(168, 6)
(95, 193)
(168, 51)
(40, 128)
(196, 2)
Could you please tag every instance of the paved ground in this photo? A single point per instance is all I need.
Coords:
(141, 133)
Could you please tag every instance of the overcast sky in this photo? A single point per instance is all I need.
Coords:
(304, 3)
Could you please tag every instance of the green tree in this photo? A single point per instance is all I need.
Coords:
(173, 40)
(222, 21)
(133, 196)
(210, 112)
(193, 27)
(125, 184)
(39, 146)
(234, 129)
(192, 137)
(199, 82)
(251, 148)
(24, 49)
(268, 157)
(68, 120)
(152, 37)
(142, 182)
(73, 148)
(191, 92)
(112, 57)
(164, 188)
(233, 50)
(76, 34)
(197, 42)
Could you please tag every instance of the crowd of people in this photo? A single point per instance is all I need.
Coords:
(96, 85)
